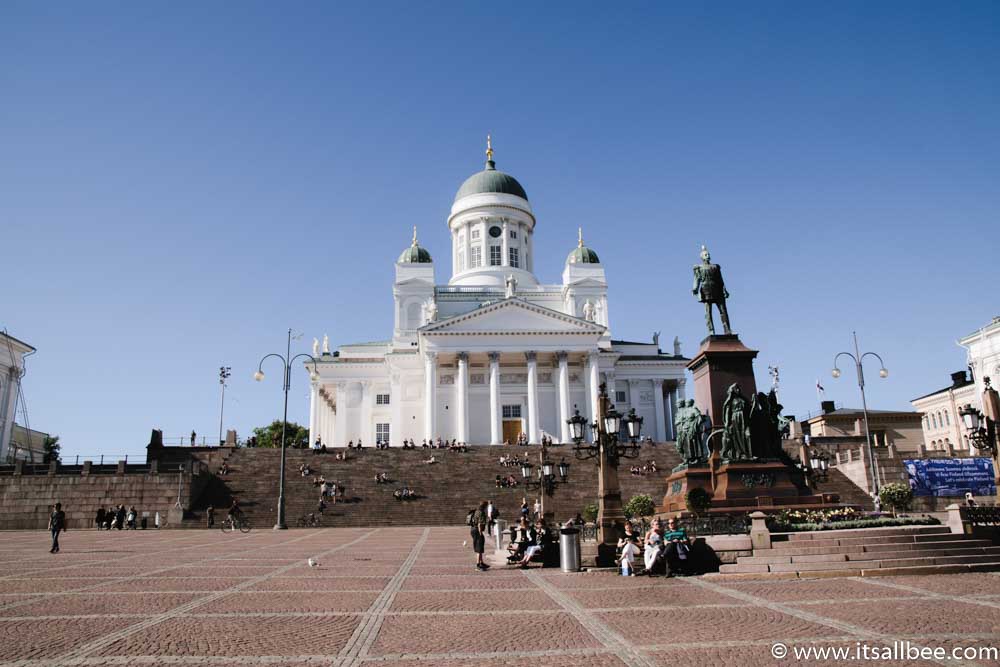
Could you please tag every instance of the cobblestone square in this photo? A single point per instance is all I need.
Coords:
(411, 596)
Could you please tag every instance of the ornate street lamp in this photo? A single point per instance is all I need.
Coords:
(545, 475)
(980, 435)
(577, 426)
(883, 373)
(287, 362)
(607, 449)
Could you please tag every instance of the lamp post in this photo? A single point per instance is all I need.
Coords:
(224, 373)
(608, 450)
(982, 432)
(883, 373)
(287, 362)
(545, 478)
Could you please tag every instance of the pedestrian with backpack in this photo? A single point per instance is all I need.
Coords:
(477, 520)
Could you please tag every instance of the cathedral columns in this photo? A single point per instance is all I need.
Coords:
(563, 396)
(594, 386)
(532, 397)
(661, 419)
(366, 413)
(313, 415)
(496, 432)
(430, 394)
(339, 436)
(462, 398)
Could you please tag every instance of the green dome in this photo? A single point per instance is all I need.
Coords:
(415, 254)
(490, 180)
(583, 255)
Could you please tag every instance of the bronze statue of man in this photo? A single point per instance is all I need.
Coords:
(709, 289)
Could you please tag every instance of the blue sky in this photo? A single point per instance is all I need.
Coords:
(182, 182)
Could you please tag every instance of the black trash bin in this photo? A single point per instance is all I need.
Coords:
(143, 522)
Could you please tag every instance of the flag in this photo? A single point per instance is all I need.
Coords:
(820, 392)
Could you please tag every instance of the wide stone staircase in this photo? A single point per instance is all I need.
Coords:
(445, 490)
(849, 492)
(870, 552)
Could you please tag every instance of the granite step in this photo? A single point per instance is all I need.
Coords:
(856, 566)
(806, 536)
(964, 550)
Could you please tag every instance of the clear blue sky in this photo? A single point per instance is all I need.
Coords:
(182, 182)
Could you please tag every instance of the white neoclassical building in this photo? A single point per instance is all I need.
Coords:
(492, 353)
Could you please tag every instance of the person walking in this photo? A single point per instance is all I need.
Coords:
(477, 529)
(57, 523)
(99, 520)
(210, 515)
(120, 517)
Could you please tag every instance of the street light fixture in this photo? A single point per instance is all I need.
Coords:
(982, 433)
(224, 373)
(287, 362)
(883, 373)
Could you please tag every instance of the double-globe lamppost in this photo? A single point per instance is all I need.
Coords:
(224, 374)
(883, 373)
(608, 449)
(287, 362)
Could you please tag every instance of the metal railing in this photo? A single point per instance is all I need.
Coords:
(981, 515)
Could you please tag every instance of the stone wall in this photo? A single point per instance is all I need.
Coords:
(26, 499)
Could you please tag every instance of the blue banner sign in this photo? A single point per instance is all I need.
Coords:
(951, 477)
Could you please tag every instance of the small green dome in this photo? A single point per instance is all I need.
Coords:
(582, 254)
(415, 254)
(490, 180)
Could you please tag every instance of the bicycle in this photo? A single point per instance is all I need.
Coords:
(229, 524)
(309, 521)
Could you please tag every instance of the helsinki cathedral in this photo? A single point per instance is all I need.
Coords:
(492, 353)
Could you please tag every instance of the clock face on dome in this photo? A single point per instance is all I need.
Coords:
(495, 232)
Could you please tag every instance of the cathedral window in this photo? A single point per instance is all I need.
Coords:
(513, 259)
(461, 260)
(381, 432)
(474, 234)
(495, 232)
(476, 258)
(512, 412)
(619, 396)
(496, 255)
(381, 399)
(513, 233)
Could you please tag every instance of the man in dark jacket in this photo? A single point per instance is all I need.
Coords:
(120, 517)
(57, 523)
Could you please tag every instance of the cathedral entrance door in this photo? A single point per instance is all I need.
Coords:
(511, 429)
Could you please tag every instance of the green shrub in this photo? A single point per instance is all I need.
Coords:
(698, 501)
(896, 496)
(639, 506)
(590, 512)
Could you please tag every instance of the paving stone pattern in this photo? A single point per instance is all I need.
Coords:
(410, 596)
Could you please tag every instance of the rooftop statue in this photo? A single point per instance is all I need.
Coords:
(709, 289)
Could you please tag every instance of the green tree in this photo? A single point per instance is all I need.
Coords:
(896, 496)
(590, 512)
(270, 435)
(639, 506)
(50, 449)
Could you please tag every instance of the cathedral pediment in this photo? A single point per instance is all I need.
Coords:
(512, 315)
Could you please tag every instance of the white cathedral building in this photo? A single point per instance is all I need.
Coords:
(492, 353)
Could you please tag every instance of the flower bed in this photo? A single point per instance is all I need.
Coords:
(776, 525)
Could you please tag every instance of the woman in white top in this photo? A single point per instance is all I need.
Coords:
(654, 543)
